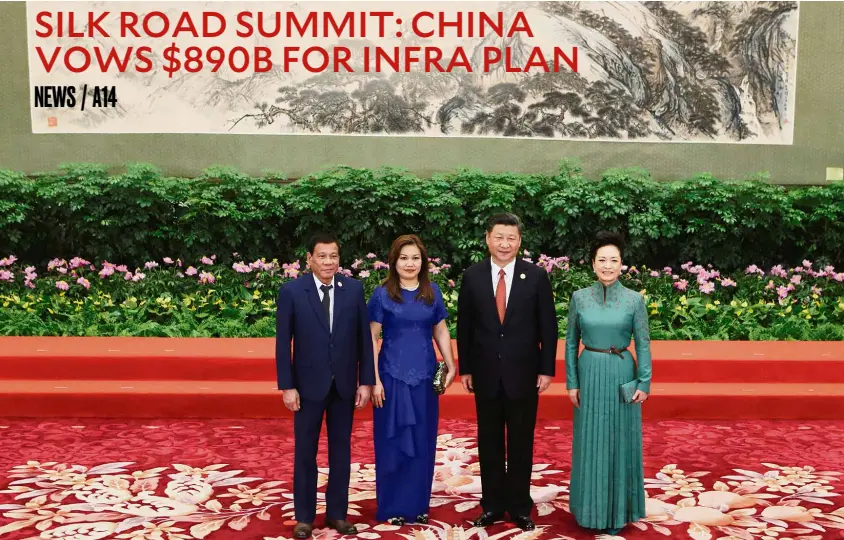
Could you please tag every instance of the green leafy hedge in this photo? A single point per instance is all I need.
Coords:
(132, 217)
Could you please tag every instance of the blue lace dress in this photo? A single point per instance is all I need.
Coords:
(405, 428)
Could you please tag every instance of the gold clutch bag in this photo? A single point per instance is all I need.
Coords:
(439, 378)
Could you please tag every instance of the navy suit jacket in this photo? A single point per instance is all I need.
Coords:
(318, 355)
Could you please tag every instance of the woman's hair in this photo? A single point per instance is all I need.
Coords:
(606, 238)
(393, 283)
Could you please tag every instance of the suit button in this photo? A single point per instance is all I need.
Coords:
(502, 335)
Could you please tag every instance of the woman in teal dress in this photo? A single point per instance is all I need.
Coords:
(607, 472)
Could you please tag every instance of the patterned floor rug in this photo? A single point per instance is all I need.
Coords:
(86, 479)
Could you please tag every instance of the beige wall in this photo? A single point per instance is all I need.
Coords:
(818, 139)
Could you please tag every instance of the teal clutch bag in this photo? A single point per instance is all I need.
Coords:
(628, 389)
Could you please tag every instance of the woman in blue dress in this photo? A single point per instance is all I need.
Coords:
(409, 310)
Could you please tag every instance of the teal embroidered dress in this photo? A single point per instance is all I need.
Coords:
(607, 478)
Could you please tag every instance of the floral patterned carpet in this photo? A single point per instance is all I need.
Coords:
(91, 479)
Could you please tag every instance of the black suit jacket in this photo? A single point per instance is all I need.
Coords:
(518, 350)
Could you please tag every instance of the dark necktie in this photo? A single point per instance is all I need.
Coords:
(326, 303)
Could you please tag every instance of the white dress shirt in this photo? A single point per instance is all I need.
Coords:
(509, 270)
(330, 297)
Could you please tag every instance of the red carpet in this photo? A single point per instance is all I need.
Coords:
(160, 479)
(235, 378)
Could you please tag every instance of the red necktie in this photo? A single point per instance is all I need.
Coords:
(501, 296)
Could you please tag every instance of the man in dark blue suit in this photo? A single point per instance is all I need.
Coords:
(331, 374)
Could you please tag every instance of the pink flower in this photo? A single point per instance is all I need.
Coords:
(370, 255)
(191, 271)
(62, 285)
(380, 265)
(816, 290)
(654, 273)
(84, 282)
(206, 277)
(258, 265)
(451, 283)
(8, 261)
(707, 287)
(807, 263)
(76, 262)
(357, 263)
(782, 292)
(122, 268)
(138, 276)
(167, 260)
(106, 271)
(796, 279)
(149, 265)
(778, 271)
(681, 285)
(364, 274)
(241, 268)
(727, 282)
(5, 275)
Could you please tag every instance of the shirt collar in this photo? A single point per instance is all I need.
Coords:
(508, 270)
(320, 283)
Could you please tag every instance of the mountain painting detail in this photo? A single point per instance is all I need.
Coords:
(685, 71)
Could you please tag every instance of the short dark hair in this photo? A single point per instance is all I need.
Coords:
(607, 238)
(321, 238)
(505, 218)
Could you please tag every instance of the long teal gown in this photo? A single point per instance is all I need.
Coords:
(607, 477)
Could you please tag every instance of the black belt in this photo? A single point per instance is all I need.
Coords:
(611, 350)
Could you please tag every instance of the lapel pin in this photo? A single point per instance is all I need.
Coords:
(339, 283)
(522, 276)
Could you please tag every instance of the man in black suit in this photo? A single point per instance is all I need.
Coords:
(507, 344)
(330, 374)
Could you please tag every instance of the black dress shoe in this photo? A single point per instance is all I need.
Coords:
(525, 523)
(302, 531)
(422, 518)
(488, 518)
(341, 526)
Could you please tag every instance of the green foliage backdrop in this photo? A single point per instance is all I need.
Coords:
(140, 215)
